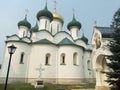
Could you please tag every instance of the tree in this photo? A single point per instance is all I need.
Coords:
(113, 76)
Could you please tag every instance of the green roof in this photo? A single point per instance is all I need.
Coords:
(66, 41)
(24, 22)
(45, 12)
(74, 22)
(83, 38)
(43, 41)
(35, 28)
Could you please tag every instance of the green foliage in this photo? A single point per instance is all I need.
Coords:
(113, 76)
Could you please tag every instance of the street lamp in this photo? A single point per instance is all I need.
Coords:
(11, 50)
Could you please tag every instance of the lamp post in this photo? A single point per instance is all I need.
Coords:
(11, 50)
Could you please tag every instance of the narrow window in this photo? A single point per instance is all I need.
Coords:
(88, 64)
(57, 27)
(75, 59)
(21, 58)
(51, 28)
(24, 34)
(62, 59)
(47, 59)
(0, 66)
(45, 24)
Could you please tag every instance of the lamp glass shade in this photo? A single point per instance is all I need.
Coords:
(11, 49)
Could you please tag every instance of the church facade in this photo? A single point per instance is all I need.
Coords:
(47, 52)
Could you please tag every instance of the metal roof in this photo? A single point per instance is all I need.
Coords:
(106, 32)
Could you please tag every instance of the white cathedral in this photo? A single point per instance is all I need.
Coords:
(47, 52)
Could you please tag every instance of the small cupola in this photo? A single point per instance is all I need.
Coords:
(33, 31)
(83, 38)
(44, 18)
(74, 22)
(45, 13)
(74, 27)
(35, 28)
(24, 26)
(24, 22)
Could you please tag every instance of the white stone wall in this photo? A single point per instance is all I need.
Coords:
(16, 69)
(63, 73)
(88, 67)
(37, 57)
(69, 70)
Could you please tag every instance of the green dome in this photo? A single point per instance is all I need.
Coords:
(83, 38)
(24, 23)
(34, 29)
(74, 22)
(45, 12)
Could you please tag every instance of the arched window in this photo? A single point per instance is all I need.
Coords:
(75, 62)
(62, 59)
(58, 27)
(51, 28)
(45, 24)
(0, 66)
(47, 59)
(88, 65)
(22, 57)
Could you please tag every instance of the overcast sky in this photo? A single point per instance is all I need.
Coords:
(86, 12)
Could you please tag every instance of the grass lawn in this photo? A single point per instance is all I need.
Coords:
(18, 87)
(48, 86)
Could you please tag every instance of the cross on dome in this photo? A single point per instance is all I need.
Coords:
(55, 2)
(26, 12)
(73, 11)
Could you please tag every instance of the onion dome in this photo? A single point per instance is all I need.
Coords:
(24, 22)
(35, 28)
(45, 12)
(74, 22)
(57, 16)
(83, 38)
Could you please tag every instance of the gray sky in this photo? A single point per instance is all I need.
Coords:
(86, 11)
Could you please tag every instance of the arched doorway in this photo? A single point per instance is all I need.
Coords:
(100, 76)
